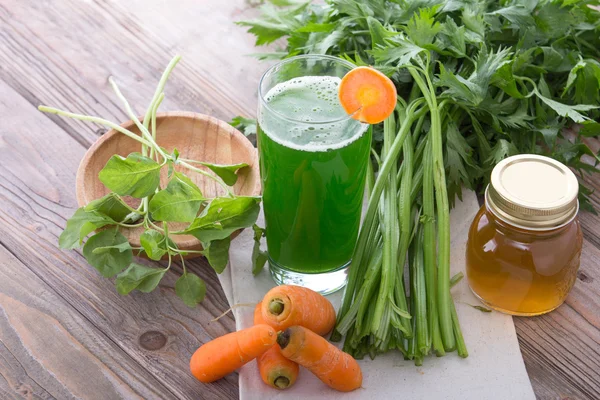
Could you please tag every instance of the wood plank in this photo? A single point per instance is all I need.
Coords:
(562, 349)
(46, 63)
(591, 223)
(37, 171)
(48, 350)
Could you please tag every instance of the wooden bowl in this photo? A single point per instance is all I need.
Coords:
(197, 137)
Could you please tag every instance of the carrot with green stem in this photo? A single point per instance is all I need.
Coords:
(287, 305)
(275, 370)
(332, 366)
(222, 356)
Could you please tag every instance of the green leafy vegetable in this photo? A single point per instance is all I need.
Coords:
(110, 205)
(114, 257)
(226, 172)
(125, 246)
(140, 277)
(180, 201)
(191, 289)
(259, 257)
(135, 176)
(487, 55)
(423, 27)
(565, 110)
(246, 125)
(223, 216)
(138, 175)
(81, 224)
(478, 81)
(154, 244)
(217, 253)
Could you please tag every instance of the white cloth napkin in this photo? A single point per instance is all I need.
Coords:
(493, 370)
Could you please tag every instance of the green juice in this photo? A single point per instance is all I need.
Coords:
(313, 161)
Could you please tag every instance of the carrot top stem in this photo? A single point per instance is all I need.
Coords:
(276, 306)
(282, 382)
(283, 338)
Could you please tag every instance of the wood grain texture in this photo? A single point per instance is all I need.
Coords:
(62, 326)
(63, 54)
(562, 349)
(45, 351)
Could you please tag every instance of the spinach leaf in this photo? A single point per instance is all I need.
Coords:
(140, 277)
(225, 172)
(81, 224)
(135, 176)
(259, 257)
(223, 216)
(121, 247)
(191, 289)
(114, 259)
(180, 201)
(110, 205)
(217, 253)
(154, 244)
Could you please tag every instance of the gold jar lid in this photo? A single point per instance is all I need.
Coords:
(533, 192)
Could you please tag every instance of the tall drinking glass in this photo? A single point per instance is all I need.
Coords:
(313, 161)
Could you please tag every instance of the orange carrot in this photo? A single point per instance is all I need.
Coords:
(223, 355)
(335, 368)
(275, 370)
(287, 305)
(367, 94)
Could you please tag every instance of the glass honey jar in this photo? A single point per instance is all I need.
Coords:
(525, 243)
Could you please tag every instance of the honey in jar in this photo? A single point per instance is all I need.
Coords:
(525, 242)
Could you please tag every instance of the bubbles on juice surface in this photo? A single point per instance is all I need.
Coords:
(305, 114)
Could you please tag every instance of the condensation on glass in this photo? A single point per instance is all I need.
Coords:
(525, 243)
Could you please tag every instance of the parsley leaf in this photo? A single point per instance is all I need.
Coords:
(246, 125)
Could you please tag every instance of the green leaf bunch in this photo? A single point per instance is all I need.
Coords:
(137, 177)
(477, 81)
(513, 73)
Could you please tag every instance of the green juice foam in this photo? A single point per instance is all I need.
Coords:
(305, 114)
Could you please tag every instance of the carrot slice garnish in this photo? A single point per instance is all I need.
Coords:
(367, 94)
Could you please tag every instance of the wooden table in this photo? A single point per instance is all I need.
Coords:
(64, 331)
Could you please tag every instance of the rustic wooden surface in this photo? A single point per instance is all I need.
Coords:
(64, 331)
